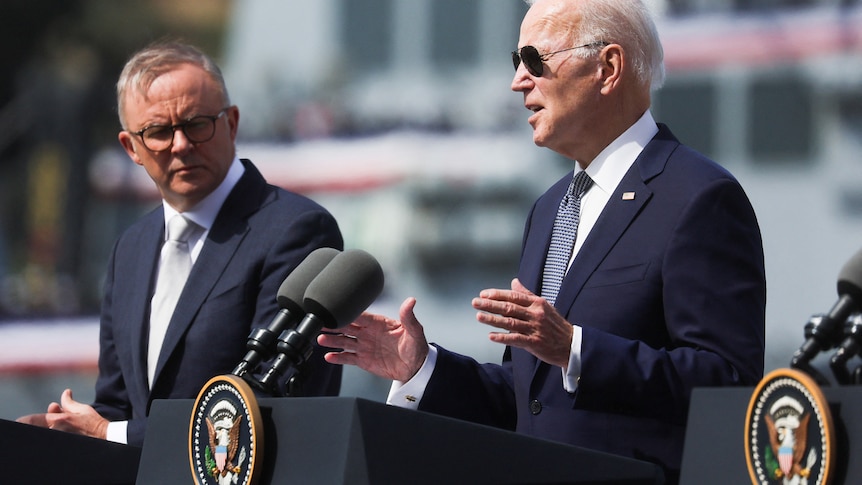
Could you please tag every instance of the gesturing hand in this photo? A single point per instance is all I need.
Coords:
(530, 322)
(70, 415)
(392, 349)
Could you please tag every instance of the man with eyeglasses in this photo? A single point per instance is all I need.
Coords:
(641, 273)
(241, 237)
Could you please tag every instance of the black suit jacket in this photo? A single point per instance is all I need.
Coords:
(260, 234)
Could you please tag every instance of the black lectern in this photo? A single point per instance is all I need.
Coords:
(355, 441)
(714, 441)
(36, 456)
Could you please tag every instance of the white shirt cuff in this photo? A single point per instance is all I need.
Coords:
(117, 432)
(572, 373)
(408, 394)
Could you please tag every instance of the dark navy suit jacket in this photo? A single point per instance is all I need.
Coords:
(669, 288)
(260, 234)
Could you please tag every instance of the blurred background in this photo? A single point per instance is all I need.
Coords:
(398, 117)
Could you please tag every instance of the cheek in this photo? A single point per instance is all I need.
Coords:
(153, 168)
(573, 109)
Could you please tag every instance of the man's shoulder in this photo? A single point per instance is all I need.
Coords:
(144, 224)
(288, 203)
(669, 158)
(253, 183)
(280, 208)
(144, 233)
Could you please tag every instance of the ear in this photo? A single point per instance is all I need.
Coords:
(128, 143)
(233, 121)
(612, 62)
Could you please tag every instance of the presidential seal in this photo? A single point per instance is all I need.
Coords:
(789, 436)
(226, 434)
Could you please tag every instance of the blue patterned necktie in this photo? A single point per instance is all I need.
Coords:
(563, 237)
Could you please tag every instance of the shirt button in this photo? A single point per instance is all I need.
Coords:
(535, 407)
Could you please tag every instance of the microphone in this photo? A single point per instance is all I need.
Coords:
(261, 341)
(828, 332)
(339, 294)
(849, 347)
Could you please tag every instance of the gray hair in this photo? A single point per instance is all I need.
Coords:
(628, 23)
(159, 58)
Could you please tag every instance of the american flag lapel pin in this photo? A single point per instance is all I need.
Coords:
(628, 196)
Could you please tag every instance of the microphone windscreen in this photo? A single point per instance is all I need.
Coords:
(292, 290)
(345, 288)
(850, 278)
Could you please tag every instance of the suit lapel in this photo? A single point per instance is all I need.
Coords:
(612, 223)
(629, 198)
(224, 239)
(616, 217)
(146, 255)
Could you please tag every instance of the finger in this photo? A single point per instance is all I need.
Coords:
(509, 296)
(34, 419)
(70, 405)
(349, 330)
(343, 358)
(503, 308)
(408, 317)
(327, 340)
(54, 408)
(510, 325)
(66, 401)
(336, 341)
(365, 319)
(510, 339)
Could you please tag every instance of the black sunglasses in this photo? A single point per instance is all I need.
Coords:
(533, 61)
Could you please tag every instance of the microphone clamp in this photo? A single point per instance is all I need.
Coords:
(849, 347)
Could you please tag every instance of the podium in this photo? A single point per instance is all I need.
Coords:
(39, 456)
(331, 440)
(714, 450)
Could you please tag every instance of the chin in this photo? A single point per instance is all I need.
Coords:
(539, 139)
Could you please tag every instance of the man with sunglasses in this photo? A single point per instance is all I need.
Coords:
(158, 341)
(662, 290)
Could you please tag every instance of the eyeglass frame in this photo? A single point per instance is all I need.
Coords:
(181, 126)
(518, 59)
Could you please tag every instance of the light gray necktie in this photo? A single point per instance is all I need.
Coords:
(174, 267)
(563, 236)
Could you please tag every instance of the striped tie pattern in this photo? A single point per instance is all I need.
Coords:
(563, 236)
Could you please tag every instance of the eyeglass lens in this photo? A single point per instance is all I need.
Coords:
(198, 130)
(531, 59)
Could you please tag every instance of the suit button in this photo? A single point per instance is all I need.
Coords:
(535, 407)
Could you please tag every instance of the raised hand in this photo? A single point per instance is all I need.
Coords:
(529, 321)
(392, 349)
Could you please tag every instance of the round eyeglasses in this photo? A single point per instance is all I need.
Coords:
(533, 61)
(198, 129)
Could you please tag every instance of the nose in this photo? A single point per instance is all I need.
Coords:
(181, 142)
(522, 80)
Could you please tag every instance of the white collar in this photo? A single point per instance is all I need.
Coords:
(611, 165)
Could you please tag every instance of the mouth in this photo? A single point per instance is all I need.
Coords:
(535, 110)
(186, 171)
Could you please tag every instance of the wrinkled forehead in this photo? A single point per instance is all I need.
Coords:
(548, 23)
(183, 76)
